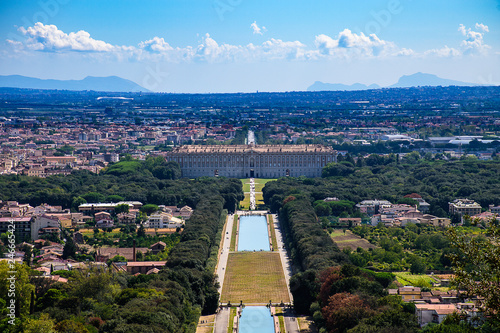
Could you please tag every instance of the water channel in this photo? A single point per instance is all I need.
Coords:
(256, 319)
(253, 234)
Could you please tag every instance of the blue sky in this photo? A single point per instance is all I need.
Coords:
(249, 45)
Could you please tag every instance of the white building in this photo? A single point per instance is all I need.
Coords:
(161, 220)
(260, 161)
(43, 221)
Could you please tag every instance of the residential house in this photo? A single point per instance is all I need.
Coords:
(161, 220)
(158, 247)
(350, 221)
(409, 293)
(143, 267)
(372, 207)
(126, 218)
(433, 313)
(44, 223)
(106, 253)
(104, 220)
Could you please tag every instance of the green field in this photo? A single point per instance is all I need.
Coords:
(259, 200)
(254, 277)
(259, 184)
(348, 239)
(245, 203)
(416, 280)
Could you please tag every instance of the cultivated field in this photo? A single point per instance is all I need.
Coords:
(348, 239)
(417, 280)
(254, 277)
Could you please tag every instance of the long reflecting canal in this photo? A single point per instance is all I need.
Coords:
(253, 234)
(256, 319)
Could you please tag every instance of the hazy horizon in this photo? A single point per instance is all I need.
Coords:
(237, 46)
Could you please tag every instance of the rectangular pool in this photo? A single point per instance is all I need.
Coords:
(252, 234)
(256, 319)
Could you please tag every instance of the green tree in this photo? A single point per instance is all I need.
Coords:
(149, 209)
(141, 232)
(476, 265)
(124, 208)
(77, 201)
(69, 249)
(42, 325)
(417, 267)
(23, 286)
(28, 253)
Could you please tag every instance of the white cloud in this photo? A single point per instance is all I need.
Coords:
(443, 52)
(473, 43)
(278, 49)
(156, 45)
(480, 26)
(256, 29)
(42, 37)
(348, 44)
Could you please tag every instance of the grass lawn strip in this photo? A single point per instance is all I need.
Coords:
(274, 242)
(232, 314)
(281, 319)
(245, 203)
(232, 246)
(254, 277)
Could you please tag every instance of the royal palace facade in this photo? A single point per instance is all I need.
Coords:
(260, 161)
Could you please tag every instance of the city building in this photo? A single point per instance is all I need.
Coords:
(464, 207)
(21, 226)
(261, 161)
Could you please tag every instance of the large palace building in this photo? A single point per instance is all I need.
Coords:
(260, 161)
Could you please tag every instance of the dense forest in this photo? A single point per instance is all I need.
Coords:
(153, 181)
(389, 178)
(100, 300)
(345, 290)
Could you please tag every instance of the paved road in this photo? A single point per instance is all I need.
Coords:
(221, 267)
(291, 324)
(285, 261)
(221, 321)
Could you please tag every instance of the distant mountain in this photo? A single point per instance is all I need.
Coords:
(321, 86)
(414, 80)
(423, 79)
(109, 83)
